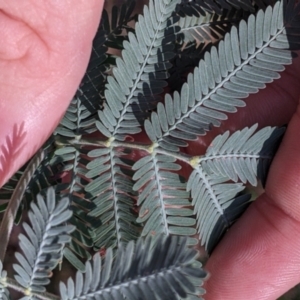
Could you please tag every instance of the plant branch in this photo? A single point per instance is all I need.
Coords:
(180, 156)
(188, 159)
(101, 143)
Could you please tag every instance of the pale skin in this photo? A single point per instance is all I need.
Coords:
(44, 50)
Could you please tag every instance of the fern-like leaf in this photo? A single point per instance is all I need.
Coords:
(208, 28)
(139, 271)
(113, 198)
(249, 57)
(42, 246)
(216, 203)
(4, 293)
(242, 156)
(138, 78)
(72, 163)
(163, 197)
(80, 117)
(197, 35)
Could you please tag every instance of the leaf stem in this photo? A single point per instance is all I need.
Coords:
(13, 284)
(186, 158)
(101, 143)
(14, 203)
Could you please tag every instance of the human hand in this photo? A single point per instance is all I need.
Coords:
(43, 56)
(44, 51)
(259, 258)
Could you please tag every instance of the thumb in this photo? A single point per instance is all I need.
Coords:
(44, 51)
(259, 258)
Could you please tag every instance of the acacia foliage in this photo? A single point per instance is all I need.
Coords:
(116, 158)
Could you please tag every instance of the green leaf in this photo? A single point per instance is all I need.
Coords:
(223, 86)
(112, 199)
(244, 155)
(40, 246)
(135, 87)
(164, 271)
(216, 203)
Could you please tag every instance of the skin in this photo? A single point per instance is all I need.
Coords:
(44, 50)
(259, 258)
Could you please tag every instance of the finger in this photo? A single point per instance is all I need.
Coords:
(259, 258)
(44, 50)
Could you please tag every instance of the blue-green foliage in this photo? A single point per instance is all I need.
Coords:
(119, 154)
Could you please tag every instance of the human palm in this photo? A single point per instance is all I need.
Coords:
(44, 50)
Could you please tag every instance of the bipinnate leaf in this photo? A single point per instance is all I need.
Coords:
(217, 204)
(243, 155)
(112, 196)
(43, 242)
(72, 163)
(81, 115)
(250, 56)
(79, 118)
(139, 271)
(133, 214)
(139, 76)
(163, 202)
